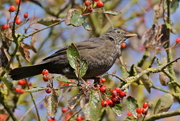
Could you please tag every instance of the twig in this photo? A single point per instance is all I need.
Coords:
(29, 110)
(74, 114)
(163, 115)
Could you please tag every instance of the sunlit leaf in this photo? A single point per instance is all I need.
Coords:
(48, 21)
(83, 68)
(87, 26)
(74, 101)
(131, 104)
(115, 13)
(35, 89)
(164, 103)
(63, 79)
(94, 99)
(51, 103)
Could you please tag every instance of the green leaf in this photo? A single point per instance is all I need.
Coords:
(92, 114)
(83, 68)
(115, 13)
(35, 89)
(63, 79)
(75, 62)
(94, 99)
(131, 104)
(118, 109)
(87, 26)
(74, 18)
(72, 55)
(48, 21)
(174, 6)
(164, 103)
(51, 103)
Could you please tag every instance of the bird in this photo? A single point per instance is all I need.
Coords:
(99, 52)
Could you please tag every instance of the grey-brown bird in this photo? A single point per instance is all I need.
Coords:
(99, 52)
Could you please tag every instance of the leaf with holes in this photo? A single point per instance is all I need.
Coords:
(131, 104)
(74, 18)
(51, 103)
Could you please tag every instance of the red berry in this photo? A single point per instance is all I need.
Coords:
(116, 99)
(18, 21)
(89, 9)
(102, 80)
(138, 14)
(145, 105)
(51, 119)
(103, 89)
(48, 89)
(5, 26)
(114, 93)
(45, 78)
(99, 4)
(87, 3)
(109, 101)
(79, 118)
(17, 2)
(118, 90)
(22, 82)
(129, 113)
(144, 111)
(12, 8)
(139, 110)
(45, 72)
(95, 0)
(123, 45)
(104, 103)
(26, 15)
(122, 94)
(64, 110)
(178, 40)
(138, 115)
(143, 19)
(19, 90)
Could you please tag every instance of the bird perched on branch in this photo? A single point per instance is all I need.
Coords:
(99, 52)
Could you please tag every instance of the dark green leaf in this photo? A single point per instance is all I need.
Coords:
(115, 13)
(51, 103)
(63, 79)
(131, 104)
(72, 55)
(35, 89)
(164, 103)
(118, 109)
(48, 21)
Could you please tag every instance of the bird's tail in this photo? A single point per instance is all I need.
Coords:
(27, 71)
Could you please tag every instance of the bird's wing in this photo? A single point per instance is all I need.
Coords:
(88, 44)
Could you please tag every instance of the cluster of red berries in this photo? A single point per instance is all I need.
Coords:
(142, 111)
(21, 82)
(13, 8)
(45, 73)
(117, 95)
(89, 4)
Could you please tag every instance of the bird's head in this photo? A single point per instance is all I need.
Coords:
(118, 35)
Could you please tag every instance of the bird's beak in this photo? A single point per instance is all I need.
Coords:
(128, 35)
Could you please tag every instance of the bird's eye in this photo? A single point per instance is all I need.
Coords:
(118, 31)
(111, 38)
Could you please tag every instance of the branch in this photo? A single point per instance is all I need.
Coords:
(163, 115)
